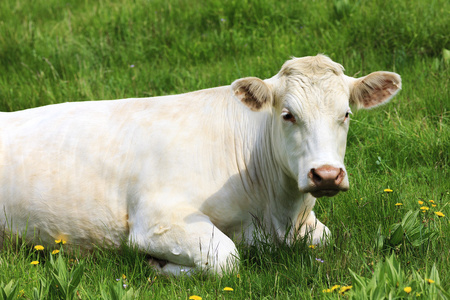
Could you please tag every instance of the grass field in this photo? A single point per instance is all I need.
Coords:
(56, 51)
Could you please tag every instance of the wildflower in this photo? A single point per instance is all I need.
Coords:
(407, 289)
(194, 297)
(439, 214)
(60, 241)
(227, 289)
(55, 251)
(388, 190)
(238, 276)
(57, 241)
(335, 287)
(430, 281)
(125, 286)
(131, 66)
(420, 202)
(312, 246)
(124, 277)
(398, 204)
(320, 260)
(431, 201)
(434, 205)
(39, 247)
(424, 208)
(34, 262)
(344, 289)
(222, 20)
(326, 291)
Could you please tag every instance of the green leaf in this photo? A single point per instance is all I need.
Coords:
(77, 274)
(410, 220)
(9, 291)
(397, 236)
(446, 55)
(380, 239)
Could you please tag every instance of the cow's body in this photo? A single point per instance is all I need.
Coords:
(179, 176)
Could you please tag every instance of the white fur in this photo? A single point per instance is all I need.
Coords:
(180, 176)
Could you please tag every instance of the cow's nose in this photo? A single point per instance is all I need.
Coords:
(327, 177)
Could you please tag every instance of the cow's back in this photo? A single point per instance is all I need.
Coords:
(83, 171)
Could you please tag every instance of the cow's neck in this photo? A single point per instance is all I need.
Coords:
(276, 195)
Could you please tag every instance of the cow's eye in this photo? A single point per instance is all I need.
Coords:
(287, 116)
(347, 114)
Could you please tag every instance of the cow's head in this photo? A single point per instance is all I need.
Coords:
(310, 100)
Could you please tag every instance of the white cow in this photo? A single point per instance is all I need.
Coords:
(183, 176)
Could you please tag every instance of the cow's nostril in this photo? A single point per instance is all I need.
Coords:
(316, 177)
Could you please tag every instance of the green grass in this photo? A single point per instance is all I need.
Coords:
(57, 51)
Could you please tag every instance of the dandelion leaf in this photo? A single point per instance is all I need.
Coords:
(397, 236)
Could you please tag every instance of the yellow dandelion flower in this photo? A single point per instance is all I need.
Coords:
(55, 251)
(344, 289)
(335, 287)
(388, 190)
(124, 277)
(39, 247)
(194, 297)
(398, 204)
(34, 262)
(326, 291)
(57, 241)
(312, 246)
(424, 208)
(420, 202)
(63, 242)
(431, 201)
(434, 205)
(439, 214)
(407, 289)
(227, 289)
(430, 281)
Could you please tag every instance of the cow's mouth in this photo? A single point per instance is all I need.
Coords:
(325, 193)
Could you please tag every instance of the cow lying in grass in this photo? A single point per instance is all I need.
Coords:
(183, 176)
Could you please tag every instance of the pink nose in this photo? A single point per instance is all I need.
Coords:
(327, 177)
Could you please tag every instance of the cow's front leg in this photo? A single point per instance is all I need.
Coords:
(188, 241)
(316, 232)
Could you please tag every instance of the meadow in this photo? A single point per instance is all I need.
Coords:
(390, 231)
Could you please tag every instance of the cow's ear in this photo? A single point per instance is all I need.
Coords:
(253, 92)
(374, 89)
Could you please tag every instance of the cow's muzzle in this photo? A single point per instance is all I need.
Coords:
(327, 181)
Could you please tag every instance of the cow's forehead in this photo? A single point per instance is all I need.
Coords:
(314, 84)
(312, 66)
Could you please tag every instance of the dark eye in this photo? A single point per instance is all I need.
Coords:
(287, 116)
(347, 114)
